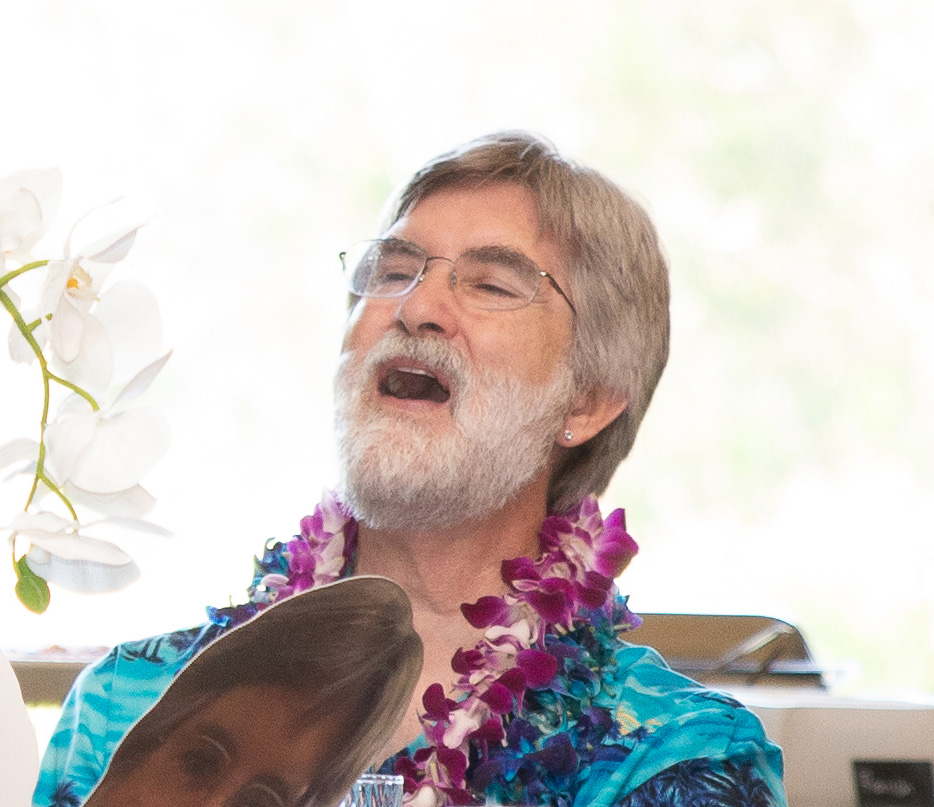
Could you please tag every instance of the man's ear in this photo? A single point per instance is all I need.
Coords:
(590, 413)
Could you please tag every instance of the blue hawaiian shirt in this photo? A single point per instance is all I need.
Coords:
(630, 733)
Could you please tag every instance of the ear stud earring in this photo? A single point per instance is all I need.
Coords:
(568, 435)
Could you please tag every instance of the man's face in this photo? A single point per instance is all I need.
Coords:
(444, 411)
(526, 343)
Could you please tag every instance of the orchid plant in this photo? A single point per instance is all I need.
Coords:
(94, 446)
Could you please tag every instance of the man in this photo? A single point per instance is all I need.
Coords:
(506, 333)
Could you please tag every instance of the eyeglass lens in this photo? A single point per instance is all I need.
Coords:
(488, 278)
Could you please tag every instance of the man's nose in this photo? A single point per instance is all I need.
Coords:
(431, 306)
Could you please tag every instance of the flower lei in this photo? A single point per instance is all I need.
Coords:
(568, 589)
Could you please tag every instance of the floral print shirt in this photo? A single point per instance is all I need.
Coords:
(617, 729)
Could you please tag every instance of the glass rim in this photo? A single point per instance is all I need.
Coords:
(350, 271)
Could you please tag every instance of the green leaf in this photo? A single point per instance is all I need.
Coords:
(32, 590)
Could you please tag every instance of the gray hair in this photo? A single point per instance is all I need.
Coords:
(617, 274)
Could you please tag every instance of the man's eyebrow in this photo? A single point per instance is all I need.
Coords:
(397, 245)
(501, 254)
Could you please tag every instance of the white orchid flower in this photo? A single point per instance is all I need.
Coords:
(28, 203)
(61, 554)
(94, 334)
(84, 334)
(22, 449)
(20, 350)
(133, 502)
(130, 316)
(108, 451)
(97, 456)
(87, 324)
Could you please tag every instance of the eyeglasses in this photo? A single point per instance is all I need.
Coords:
(490, 278)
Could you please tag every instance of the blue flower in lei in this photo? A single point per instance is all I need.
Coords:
(564, 724)
(275, 561)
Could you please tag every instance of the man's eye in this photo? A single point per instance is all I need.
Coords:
(492, 281)
(495, 290)
(491, 284)
(394, 274)
(397, 276)
(205, 761)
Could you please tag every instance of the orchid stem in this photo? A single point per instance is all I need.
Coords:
(37, 322)
(76, 389)
(43, 477)
(47, 377)
(21, 271)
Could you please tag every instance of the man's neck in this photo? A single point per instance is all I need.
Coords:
(443, 567)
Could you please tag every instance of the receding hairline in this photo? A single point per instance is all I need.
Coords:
(548, 223)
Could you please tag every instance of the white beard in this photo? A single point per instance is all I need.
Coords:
(398, 472)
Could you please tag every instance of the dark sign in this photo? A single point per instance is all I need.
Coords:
(894, 784)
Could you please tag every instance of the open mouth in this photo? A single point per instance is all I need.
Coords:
(413, 384)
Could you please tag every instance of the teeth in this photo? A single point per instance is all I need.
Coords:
(413, 383)
(416, 371)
